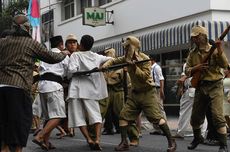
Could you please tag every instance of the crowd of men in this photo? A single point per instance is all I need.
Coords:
(70, 97)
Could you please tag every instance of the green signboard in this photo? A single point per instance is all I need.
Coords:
(94, 16)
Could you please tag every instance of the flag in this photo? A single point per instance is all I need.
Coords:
(34, 18)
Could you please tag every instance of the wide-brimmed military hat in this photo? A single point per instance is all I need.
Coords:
(196, 30)
(133, 41)
(110, 52)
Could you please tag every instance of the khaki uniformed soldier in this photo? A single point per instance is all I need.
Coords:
(114, 81)
(210, 89)
(143, 95)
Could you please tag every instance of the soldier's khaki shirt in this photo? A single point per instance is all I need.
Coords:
(115, 79)
(141, 78)
(216, 63)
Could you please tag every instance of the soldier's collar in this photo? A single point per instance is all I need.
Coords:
(205, 48)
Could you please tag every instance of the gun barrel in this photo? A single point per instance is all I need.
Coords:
(114, 67)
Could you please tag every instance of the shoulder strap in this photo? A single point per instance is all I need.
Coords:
(153, 72)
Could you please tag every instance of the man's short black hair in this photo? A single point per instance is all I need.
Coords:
(153, 57)
(87, 42)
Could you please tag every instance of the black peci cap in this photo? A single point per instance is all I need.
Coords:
(54, 41)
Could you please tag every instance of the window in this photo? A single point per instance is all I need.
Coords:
(171, 68)
(68, 9)
(102, 2)
(81, 4)
(47, 26)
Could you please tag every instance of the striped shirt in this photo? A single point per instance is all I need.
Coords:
(17, 58)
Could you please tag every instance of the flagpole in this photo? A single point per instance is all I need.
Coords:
(40, 24)
(49, 26)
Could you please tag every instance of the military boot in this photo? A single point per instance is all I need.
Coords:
(223, 149)
(171, 142)
(198, 139)
(124, 145)
(133, 134)
(223, 142)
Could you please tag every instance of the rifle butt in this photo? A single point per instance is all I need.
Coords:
(195, 79)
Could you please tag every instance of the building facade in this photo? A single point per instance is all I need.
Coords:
(163, 27)
(6, 3)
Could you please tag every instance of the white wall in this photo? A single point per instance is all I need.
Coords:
(140, 16)
(220, 10)
(221, 15)
(220, 4)
(44, 4)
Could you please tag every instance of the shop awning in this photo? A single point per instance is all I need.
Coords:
(172, 37)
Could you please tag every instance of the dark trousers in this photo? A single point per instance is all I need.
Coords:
(15, 116)
(111, 120)
(212, 133)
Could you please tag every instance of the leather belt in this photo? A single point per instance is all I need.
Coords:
(141, 90)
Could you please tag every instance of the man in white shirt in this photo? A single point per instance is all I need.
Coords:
(86, 90)
(51, 94)
(158, 77)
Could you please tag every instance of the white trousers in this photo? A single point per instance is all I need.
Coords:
(186, 103)
(53, 104)
(36, 106)
(80, 110)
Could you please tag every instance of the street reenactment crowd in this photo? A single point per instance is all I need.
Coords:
(66, 99)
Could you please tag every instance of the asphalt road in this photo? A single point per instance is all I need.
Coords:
(148, 143)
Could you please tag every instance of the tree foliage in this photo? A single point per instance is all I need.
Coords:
(11, 10)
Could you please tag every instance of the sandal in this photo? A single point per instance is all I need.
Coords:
(51, 146)
(60, 136)
(91, 145)
(97, 147)
(41, 144)
(134, 143)
(72, 133)
(36, 132)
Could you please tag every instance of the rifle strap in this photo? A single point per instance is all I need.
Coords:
(153, 72)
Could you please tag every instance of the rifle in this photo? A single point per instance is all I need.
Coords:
(180, 86)
(114, 67)
(125, 84)
(197, 74)
(125, 73)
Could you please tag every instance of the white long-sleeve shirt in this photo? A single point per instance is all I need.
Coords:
(59, 69)
(87, 87)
